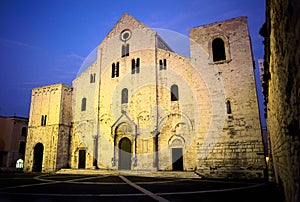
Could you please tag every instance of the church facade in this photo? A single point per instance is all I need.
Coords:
(141, 106)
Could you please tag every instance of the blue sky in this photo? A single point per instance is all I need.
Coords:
(43, 42)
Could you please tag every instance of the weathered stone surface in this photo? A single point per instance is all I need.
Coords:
(161, 125)
(282, 93)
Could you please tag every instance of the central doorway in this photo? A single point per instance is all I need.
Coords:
(125, 154)
(177, 159)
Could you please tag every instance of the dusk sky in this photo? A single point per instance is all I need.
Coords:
(44, 42)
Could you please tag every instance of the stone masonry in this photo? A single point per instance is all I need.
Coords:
(141, 106)
(282, 93)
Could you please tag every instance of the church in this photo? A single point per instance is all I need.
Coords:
(141, 106)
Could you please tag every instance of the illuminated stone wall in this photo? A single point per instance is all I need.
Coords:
(192, 122)
(53, 101)
(238, 149)
(282, 93)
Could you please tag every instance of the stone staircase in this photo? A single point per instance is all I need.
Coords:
(161, 174)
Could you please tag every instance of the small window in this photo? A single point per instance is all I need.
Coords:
(83, 104)
(24, 131)
(93, 78)
(115, 70)
(135, 66)
(124, 98)
(125, 50)
(163, 64)
(218, 49)
(44, 120)
(174, 93)
(228, 107)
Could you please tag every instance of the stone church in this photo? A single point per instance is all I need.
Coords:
(141, 106)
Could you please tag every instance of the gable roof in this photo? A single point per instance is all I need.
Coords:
(125, 22)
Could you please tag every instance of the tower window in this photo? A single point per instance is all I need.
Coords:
(174, 93)
(125, 50)
(44, 120)
(218, 49)
(83, 104)
(124, 98)
(228, 107)
(163, 64)
(115, 70)
(135, 66)
(93, 78)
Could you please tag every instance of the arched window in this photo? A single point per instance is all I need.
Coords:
(83, 104)
(124, 98)
(228, 107)
(174, 93)
(115, 70)
(125, 50)
(135, 66)
(218, 49)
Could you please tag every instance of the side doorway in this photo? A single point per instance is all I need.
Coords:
(38, 153)
(81, 159)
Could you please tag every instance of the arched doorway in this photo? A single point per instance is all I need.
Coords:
(124, 154)
(38, 157)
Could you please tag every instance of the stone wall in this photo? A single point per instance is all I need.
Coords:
(234, 147)
(49, 125)
(282, 92)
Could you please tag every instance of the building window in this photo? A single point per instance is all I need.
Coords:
(124, 98)
(135, 66)
(93, 78)
(218, 49)
(83, 104)
(228, 107)
(44, 120)
(22, 147)
(125, 50)
(163, 64)
(174, 93)
(24, 131)
(115, 70)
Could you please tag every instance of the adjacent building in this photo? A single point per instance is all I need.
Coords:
(13, 133)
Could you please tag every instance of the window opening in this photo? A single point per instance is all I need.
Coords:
(125, 50)
(83, 104)
(115, 70)
(228, 107)
(218, 48)
(44, 120)
(163, 64)
(93, 78)
(124, 98)
(174, 93)
(135, 66)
